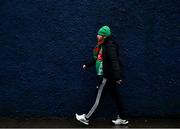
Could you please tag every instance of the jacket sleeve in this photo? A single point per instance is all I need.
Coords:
(116, 67)
(91, 63)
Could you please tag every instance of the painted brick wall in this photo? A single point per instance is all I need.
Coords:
(43, 44)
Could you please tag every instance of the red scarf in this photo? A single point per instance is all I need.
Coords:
(96, 52)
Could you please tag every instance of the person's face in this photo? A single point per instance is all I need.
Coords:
(100, 38)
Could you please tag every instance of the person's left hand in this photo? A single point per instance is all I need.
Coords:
(119, 81)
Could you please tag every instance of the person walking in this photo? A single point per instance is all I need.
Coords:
(109, 71)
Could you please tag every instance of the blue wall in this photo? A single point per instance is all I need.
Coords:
(43, 44)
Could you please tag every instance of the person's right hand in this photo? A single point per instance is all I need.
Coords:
(84, 66)
(119, 82)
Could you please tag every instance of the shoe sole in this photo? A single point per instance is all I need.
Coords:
(83, 122)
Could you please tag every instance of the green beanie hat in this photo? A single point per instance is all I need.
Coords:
(104, 31)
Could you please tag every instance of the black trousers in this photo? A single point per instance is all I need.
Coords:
(107, 87)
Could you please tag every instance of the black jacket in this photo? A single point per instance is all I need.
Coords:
(112, 67)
